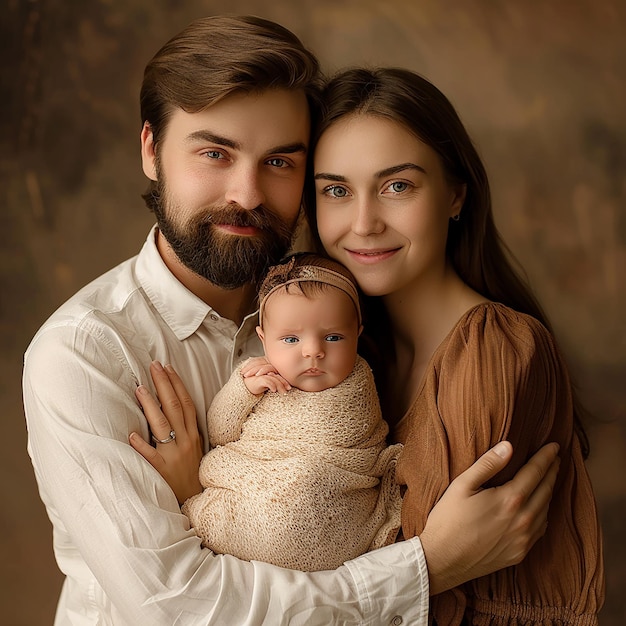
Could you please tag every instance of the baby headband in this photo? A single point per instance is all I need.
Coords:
(314, 274)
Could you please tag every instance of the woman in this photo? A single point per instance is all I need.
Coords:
(463, 351)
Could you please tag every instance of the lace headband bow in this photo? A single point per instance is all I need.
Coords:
(310, 273)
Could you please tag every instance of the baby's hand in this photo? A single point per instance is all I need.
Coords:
(260, 383)
(259, 376)
(257, 366)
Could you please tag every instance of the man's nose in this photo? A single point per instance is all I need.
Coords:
(244, 187)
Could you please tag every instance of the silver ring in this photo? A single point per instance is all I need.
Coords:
(170, 438)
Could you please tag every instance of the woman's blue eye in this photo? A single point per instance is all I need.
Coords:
(398, 187)
(336, 191)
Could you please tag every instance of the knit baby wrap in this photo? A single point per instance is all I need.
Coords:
(303, 480)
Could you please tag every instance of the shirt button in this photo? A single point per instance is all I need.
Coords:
(213, 317)
(396, 621)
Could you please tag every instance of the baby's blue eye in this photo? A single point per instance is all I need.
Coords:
(333, 338)
(290, 339)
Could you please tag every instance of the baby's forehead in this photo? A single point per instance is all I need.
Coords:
(310, 291)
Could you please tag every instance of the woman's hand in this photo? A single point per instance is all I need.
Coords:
(178, 459)
(473, 531)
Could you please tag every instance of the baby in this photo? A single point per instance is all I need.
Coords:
(300, 474)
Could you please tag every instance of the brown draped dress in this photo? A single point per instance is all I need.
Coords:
(498, 375)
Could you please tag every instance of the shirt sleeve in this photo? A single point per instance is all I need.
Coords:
(117, 520)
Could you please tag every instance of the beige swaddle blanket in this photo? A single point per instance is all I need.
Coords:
(303, 480)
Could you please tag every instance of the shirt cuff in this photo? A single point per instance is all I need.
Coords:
(401, 597)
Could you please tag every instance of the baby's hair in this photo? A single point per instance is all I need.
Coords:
(309, 274)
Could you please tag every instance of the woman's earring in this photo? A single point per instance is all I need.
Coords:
(456, 217)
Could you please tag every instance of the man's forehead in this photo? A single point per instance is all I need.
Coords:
(279, 118)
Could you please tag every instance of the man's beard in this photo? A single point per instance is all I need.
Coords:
(227, 261)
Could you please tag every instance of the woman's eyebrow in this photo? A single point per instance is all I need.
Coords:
(334, 177)
(388, 171)
(394, 169)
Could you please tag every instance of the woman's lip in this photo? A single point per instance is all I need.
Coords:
(371, 256)
(238, 230)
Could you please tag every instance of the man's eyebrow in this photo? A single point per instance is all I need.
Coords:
(388, 171)
(290, 148)
(208, 136)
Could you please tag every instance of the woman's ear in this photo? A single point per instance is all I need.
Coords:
(148, 152)
(458, 199)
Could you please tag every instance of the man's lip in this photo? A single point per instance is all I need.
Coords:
(245, 231)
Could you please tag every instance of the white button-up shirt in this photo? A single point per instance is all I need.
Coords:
(128, 553)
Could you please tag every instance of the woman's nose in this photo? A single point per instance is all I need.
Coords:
(366, 218)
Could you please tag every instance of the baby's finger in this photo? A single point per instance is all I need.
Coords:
(282, 386)
(266, 369)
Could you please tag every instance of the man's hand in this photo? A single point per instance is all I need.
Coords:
(472, 531)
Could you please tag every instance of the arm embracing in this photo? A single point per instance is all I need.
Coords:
(123, 520)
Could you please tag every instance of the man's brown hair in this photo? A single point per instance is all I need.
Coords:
(217, 56)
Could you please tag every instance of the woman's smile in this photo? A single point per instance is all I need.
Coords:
(366, 256)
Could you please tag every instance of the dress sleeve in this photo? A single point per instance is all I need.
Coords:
(499, 376)
(129, 554)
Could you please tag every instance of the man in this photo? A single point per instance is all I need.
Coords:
(224, 141)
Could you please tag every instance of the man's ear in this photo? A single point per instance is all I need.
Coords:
(148, 152)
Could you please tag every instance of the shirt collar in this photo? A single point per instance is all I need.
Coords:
(181, 310)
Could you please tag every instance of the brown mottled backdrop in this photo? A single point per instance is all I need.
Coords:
(540, 84)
